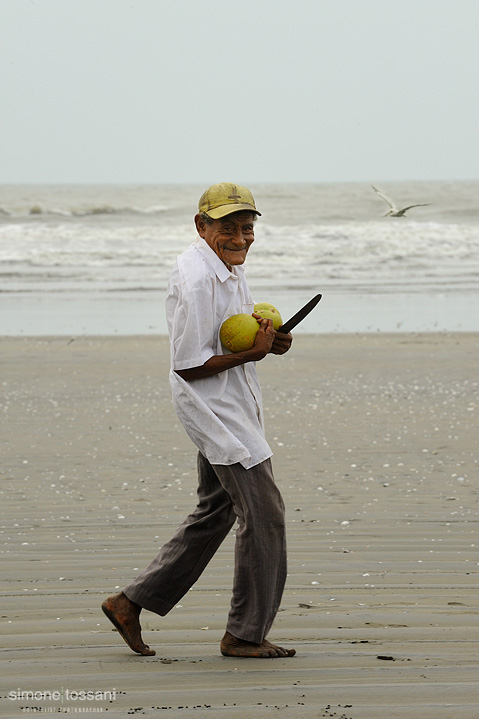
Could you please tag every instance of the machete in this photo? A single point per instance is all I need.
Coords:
(299, 316)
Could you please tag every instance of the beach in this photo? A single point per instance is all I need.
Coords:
(375, 451)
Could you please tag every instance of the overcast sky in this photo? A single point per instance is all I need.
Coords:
(140, 91)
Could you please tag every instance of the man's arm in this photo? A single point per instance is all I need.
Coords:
(264, 343)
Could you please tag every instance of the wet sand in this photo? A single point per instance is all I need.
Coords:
(375, 451)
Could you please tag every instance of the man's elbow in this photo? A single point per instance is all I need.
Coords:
(189, 374)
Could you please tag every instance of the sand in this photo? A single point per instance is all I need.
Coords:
(375, 451)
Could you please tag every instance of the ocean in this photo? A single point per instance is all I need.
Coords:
(89, 260)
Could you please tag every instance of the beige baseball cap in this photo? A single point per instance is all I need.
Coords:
(225, 198)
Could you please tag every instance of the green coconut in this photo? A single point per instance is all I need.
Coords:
(238, 333)
(269, 312)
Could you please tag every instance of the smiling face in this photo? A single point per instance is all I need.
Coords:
(230, 237)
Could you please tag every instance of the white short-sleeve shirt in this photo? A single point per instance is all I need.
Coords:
(222, 414)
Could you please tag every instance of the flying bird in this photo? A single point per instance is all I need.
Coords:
(395, 211)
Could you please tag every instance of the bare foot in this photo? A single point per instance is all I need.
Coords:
(233, 647)
(125, 616)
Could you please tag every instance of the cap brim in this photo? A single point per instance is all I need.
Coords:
(224, 210)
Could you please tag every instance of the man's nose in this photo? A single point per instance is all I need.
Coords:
(238, 238)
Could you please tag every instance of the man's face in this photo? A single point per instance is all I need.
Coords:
(230, 237)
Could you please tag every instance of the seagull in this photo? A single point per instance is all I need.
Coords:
(394, 211)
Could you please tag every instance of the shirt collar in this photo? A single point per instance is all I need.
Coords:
(222, 272)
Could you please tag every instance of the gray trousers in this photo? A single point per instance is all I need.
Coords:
(225, 493)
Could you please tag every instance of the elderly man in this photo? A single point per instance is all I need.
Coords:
(218, 400)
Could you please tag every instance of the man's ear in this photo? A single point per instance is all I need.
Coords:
(200, 226)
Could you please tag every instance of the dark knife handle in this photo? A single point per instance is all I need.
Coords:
(299, 316)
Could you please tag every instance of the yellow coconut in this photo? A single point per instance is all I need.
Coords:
(269, 312)
(238, 333)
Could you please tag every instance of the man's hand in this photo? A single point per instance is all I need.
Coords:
(269, 340)
(265, 336)
(281, 343)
